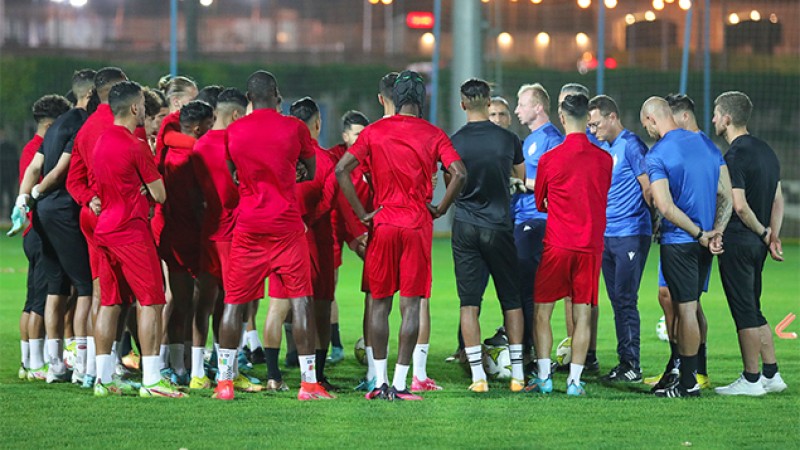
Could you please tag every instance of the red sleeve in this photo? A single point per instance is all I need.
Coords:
(330, 189)
(361, 148)
(445, 151)
(540, 188)
(145, 164)
(306, 143)
(78, 179)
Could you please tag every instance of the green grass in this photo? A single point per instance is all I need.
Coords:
(36, 415)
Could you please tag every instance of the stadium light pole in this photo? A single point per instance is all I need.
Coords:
(687, 37)
(707, 67)
(173, 37)
(437, 31)
(601, 47)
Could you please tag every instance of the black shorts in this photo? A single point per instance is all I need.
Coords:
(478, 251)
(37, 278)
(64, 250)
(685, 268)
(740, 269)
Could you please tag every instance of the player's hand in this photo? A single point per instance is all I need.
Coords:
(359, 246)
(367, 219)
(301, 172)
(767, 237)
(143, 190)
(435, 180)
(95, 205)
(434, 210)
(706, 237)
(715, 245)
(35, 194)
(516, 186)
(776, 249)
(18, 221)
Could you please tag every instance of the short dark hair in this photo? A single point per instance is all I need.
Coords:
(409, 89)
(122, 95)
(82, 82)
(737, 105)
(154, 100)
(475, 93)
(209, 94)
(50, 107)
(386, 85)
(232, 96)
(262, 87)
(108, 75)
(195, 112)
(353, 117)
(304, 109)
(680, 103)
(575, 106)
(605, 104)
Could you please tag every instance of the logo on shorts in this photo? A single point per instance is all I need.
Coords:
(631, 255)
(526, 228)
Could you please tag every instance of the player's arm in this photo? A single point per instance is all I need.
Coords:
(458, 177)
(663, 201)
(78, 179)
(157, 191)
(518, 171)
(724, 200)
(54, 178)
(541, 195)
(644, 183)
(32, 173)
(344, 168)
(746, 214)
(775, 223)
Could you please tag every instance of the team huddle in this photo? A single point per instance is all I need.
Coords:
(147, 211)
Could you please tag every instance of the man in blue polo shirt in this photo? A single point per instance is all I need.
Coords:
(533, 108)
(628, 230)
(687, 175)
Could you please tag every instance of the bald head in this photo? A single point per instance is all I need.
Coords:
(656, 117)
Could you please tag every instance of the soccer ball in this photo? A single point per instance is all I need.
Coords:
(564, 352)
(661, 329)
(497, 362)
(360, 351)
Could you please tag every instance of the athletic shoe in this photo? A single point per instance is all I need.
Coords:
(180, 380)
(654, 379)
(378, 393)
(23, 373)
(325, 383)
(121, 370)
(538, 385)
(666, 380)
(88, 381)
(336, 356)
(245, 384)
(459, 356)
(257, 356)
(499, 339)
(404, 395)
(276, 386)
(624, 373)
(677, 390)
(517, 385)
(163, 388)
(591, 366)
(774, 384)
(54, 376)
(132, 361)
(117, 386)
(312, 391)
(77, 377)
(291, 360)
(38, 374)
(428, 384)
(200, 383)
(322, 392)
(244, 363)
(224, 390)
(479, 386)
(101, 390)
(366, 385)
(742, 387)
(703, 381)
(576, 390)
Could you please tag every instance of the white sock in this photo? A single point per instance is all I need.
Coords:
(69, 341)
(308, 371)
(91, 356)
(54, 352)
(163, 356)
(400, 376)
(475, 358)
(253, 341)
(114, 347)
(176, 358)
(381, 377)
(420, 358)
(151, 370)
(37, 359)
(544, 368)
(198, 370)
(80, 352)
(515, 352)
(370, 363)
(226, 358)
(25, 353)
(575, 371)
(105, 364)
(243, 340)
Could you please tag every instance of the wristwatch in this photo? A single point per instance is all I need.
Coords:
(764, 234)
(699, 235)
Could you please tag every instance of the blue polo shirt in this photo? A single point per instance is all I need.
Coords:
(627, 213)
(691, 164)
(536, 144)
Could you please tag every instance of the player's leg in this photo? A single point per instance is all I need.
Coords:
(181, 283)
(409, 332)
(207, 297)
(277, 311)
(543, 343)
(253, 339)
(337, 349)
(379, 340)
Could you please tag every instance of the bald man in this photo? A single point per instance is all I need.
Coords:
(687, 175)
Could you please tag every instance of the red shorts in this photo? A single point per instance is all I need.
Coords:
(130, 271)
(566, 273)
(214, 259)
(399, 259)
(322, 272)
(88, 222)
(254, 257)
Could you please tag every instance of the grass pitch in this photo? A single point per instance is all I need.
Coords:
(36, 415)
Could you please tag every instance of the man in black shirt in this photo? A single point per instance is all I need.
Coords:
(751, 233)
(65, 257)
(483, 239)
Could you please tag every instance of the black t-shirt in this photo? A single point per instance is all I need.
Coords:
(754, 167)
(59, 139)
(488, 152)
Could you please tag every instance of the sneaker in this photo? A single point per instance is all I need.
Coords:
(291, 360)
(517, 385)
(378, 393)
(666, 380)
(366, 385)
(703, 381)
(200, 383)
(121, 370)
(677, 390)
(161, 389)
(624, 373)
(654, 379)
(428, 384)
(742, 387)
(224, 390)
(459, 356)
(404, 395)
(774, 384)
(38, 374)
(88, 381)
(336, 356)
(23, 373)
(245, 384)
(309, 391)
(181, 380)
(591, 365)
(499, 339)
(479, 386)
(132, 361)
(576, 389)
(101, 390)
(77, 377)
(538, 385)
(56, 376)
(244, 363)
(276, 386)
(322, 392)
(257, 356)
(325, 383)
